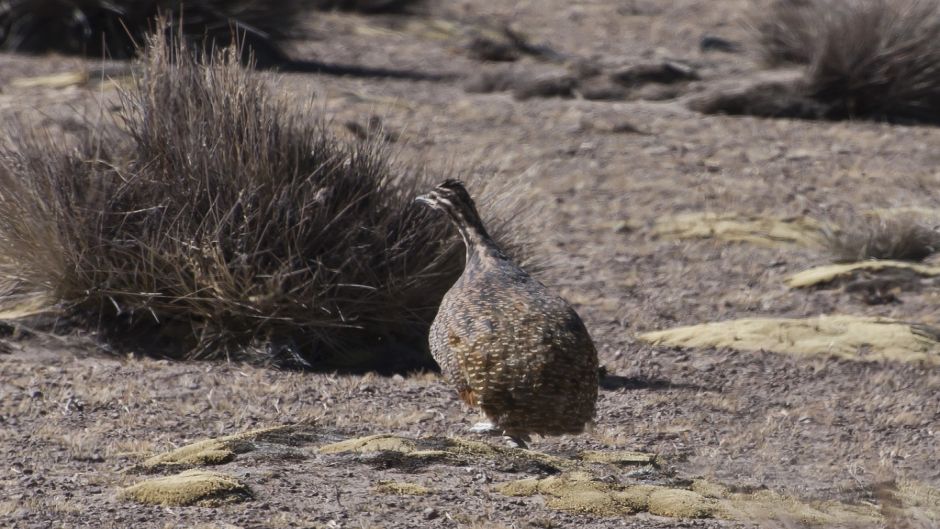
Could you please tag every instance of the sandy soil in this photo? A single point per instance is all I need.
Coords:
(75, 423)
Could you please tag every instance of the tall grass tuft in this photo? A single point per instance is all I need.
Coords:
(211, 221)
(117, 28)
(876, 59)
(896, 236)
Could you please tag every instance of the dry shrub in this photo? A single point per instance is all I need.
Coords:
(211, 221)
(864, 58)
(116, 27)
(905, 237)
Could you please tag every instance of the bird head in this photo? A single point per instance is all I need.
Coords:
(447, 196)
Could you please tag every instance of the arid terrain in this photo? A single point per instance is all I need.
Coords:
(742, 437)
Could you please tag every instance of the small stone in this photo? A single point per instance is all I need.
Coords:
(713, 43)
(430, 513)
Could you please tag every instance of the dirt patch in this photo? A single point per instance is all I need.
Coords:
(849, 337)
(192, 487)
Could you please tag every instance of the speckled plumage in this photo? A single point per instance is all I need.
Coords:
(507, 343)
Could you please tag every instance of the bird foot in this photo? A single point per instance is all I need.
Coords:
(515, 441)
(489, 428)
(486, 427)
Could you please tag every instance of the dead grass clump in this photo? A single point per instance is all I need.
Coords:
(115, 27)
(901, 237)
(877, 59)
(212, 221)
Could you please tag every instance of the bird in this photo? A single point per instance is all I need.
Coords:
(510, 346)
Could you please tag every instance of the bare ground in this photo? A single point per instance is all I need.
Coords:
(74, 422)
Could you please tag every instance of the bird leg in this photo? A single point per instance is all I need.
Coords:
(517, 440)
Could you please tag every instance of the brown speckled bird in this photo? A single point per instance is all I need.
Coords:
(508, 344)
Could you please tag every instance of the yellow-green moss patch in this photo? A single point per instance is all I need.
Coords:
(710, 489)
(468, 447)
(828, 273)
(217, 451)
(635, 497)
(740, 228)
(192, 487)
(453, 449)
(522, 487)
(680, 503)
(765, 505)
(618, 457)
(850, 337)
(904, 501)
(579, 492)
(916, 501)
(372, 443)
(401, 488)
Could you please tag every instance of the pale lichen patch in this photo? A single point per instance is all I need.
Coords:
(848, 337)
(825, 274)
(737, 227)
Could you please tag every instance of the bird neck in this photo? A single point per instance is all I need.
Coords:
(478, 241)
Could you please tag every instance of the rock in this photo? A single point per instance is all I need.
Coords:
(664, 73)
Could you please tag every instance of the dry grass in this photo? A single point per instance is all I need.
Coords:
(115, 28)
(868, 58)
(904, 237)
(211, 222)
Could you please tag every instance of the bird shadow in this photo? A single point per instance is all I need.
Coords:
(616, 382)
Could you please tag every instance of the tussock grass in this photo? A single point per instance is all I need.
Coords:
(211, 221)
(875, 59)
(116, 27)
(903, 237)
(785, 30)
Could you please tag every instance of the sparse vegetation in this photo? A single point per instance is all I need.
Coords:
(902, 237)
(116, 28)
(210, 222)
(876, 59)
